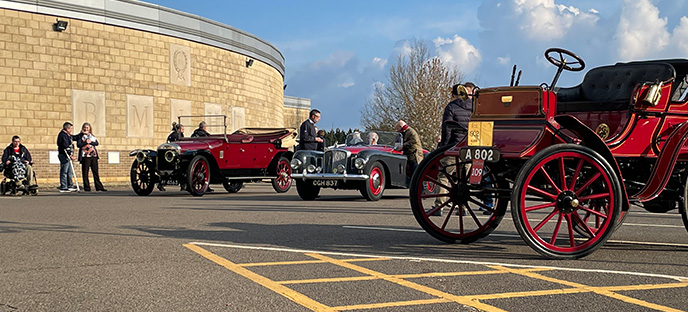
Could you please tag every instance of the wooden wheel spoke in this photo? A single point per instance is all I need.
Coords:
(584, 225)
(588, 183)
(556, 230)
(542, 193)
(550, 180)
(562, 174)
(545, 220)
(575, 174)
(437, 183)
(593, 212)
(569, 223)
(541, 206)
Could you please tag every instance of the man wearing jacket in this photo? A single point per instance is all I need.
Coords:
(19, 150)
(64, 154)
(412, 147)
(308, 138)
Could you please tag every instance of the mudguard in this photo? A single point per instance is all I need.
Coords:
(593, 141)
(664, 166)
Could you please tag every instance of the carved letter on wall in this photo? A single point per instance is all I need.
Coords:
(180, 65)
(180, 108)
(89, 106)
(139, 116)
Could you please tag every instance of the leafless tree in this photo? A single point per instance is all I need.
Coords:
(417, 91)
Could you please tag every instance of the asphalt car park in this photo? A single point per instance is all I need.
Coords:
(257, 250)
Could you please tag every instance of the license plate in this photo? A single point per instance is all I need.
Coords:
(487, 154)
(325, 183)
(477, 166)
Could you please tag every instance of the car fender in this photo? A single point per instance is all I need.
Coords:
(216, 175)
(272, 167)
(393, 164)
(151, 153)
(592, 140)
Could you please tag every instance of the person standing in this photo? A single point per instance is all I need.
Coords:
(308, 138)
(455, 119)
(321, 145)
(64, 154)
(202, 130)
(20, 151)
(176, 134)
(88, 157)
(412, 146)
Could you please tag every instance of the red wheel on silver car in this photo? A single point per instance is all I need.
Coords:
(198, 176)
(560, 188)
(282, 183)
(456, 210)
(375, 185)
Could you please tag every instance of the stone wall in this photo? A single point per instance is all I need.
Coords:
(125, 82)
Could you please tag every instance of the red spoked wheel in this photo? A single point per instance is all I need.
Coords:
(375, 185)
(198, 176)
(455, 210)
(561, 188)
(282, 183)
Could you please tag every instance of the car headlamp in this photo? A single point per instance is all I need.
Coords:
(295, 163)
(141, 156)
(310, 168)
(170, 156)
(359, 163)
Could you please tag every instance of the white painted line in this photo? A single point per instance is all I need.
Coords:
(514, 235)
(345, 254)
(653, 225)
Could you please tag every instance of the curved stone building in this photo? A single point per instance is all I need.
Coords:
(129, 68)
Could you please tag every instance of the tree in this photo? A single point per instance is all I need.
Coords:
(417, 92)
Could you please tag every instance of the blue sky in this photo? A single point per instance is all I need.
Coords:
(336, 50)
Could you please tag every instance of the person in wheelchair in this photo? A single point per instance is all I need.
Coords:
(16, 157)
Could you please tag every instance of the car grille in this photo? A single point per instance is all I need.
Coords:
(334, 158)
(162, 163)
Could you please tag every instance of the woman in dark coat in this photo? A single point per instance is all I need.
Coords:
(88, 157)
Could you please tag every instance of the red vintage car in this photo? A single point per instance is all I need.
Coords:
(570, 160)
(247, 155)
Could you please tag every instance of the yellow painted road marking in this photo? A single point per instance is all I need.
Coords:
(598, 290)
(391, 304)
(307, 262)
(261, 280)
(408, 284)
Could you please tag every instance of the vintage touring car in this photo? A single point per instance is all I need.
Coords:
(367, 162)
(246, 155)
(570, 160)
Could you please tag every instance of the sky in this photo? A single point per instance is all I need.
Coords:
(336, 51)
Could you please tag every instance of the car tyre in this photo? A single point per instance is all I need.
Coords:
(233, 187)
(141, 177)
(375, 185)
(198, 176)
(306, 190)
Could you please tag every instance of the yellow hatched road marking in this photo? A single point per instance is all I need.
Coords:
(261, 280)
(584, 288)
(306, 262)
(391, 304)
(408, 284)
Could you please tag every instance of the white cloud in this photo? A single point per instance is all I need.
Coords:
(504, 60)
(641, 31)
(458, 52)
(379, 62)
(346, 84)
(679, 39)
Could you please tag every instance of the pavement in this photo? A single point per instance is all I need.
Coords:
(262, 251)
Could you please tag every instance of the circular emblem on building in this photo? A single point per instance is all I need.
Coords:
(181, 62)
(603, 131)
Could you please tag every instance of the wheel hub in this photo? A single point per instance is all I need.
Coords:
(460, 193)
(567, 202)
(375, 179)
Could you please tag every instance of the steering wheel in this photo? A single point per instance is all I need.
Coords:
(561, 61)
